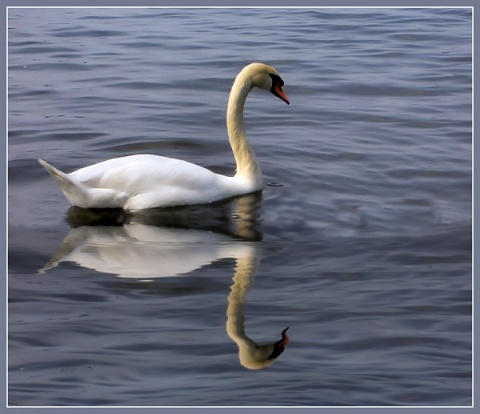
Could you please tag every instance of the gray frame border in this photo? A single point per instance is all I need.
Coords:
(224, 3)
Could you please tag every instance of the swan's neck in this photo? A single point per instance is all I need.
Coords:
(247, 165)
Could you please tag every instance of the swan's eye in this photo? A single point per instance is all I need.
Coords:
(276, 80)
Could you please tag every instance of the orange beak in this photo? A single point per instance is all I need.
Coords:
(277, 91)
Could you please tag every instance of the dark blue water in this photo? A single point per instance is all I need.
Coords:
(360, 242)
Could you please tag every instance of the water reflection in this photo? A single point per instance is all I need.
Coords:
(172, 242)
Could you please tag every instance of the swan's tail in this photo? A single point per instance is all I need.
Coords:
(82, 195)
(61, 178)
(74, 192)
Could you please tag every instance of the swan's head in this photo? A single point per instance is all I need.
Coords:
(265, 77)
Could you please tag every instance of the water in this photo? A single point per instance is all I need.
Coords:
(360, 242)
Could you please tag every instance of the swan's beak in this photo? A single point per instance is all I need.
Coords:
(277, 91)
(279, 347)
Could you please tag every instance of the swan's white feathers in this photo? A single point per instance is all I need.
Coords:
(143, 181)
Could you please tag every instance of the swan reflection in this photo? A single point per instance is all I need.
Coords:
(136, 246)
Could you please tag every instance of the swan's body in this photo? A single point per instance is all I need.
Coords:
(146, 181)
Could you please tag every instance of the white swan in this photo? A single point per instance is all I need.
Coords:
(139, 182)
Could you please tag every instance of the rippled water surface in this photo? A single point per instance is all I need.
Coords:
(360, 242)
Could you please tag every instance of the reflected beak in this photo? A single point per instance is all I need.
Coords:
(285, 338)
(279, 347)
(277, 91)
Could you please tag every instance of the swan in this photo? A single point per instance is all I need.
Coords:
(138, 182)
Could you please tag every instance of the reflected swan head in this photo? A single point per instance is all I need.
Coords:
(253, 356)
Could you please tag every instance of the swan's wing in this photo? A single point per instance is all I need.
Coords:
(140, 172)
